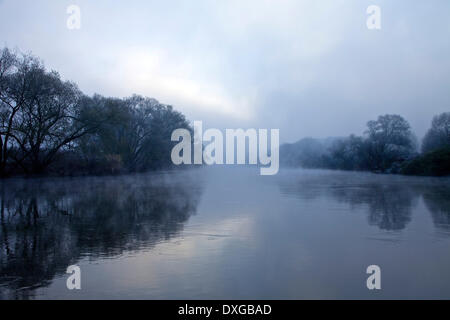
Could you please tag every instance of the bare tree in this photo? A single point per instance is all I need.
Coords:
(8, 106)
(41, 115)
(44, 119)
(136, 134)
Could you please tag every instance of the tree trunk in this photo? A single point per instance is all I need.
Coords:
(2, 169)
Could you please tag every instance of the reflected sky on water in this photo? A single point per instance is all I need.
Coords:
(226, 233)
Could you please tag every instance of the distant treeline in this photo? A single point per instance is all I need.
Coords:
(387, 146)
(48, 126)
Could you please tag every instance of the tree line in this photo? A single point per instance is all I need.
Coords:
(387, 146)
(47, 125)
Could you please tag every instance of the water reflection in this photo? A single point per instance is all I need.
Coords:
(389, 206)
(388, 200)
(251, 237)
(437, 200)
(49, 224)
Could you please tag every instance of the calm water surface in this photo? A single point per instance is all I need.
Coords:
(226, 234)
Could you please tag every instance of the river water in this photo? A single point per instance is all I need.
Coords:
(226, 233)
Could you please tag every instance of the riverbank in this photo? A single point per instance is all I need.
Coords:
(436, 163)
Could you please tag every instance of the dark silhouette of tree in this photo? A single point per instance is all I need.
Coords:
(137, 135)
(40, 114)
(389, 139)
(387, 144)
(10, 103)
(347, 154)
(438, 136)
(48, 125)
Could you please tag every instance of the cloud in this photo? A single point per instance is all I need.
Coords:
(306, 67)
(147, 71)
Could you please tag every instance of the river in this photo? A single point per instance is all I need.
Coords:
(226, 233)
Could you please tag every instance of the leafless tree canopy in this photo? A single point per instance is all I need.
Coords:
(44, 118)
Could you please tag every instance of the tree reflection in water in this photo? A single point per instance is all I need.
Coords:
(389, 206)
(47, 225)
(389, 199)
(437, 200)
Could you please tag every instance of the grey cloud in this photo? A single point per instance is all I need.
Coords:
(309, 68)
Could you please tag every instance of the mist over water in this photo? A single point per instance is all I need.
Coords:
(224, 150)
(226, 233)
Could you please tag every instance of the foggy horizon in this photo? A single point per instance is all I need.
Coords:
(224, 158)
(310, 70)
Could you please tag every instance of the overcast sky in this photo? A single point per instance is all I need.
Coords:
(307, 67)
